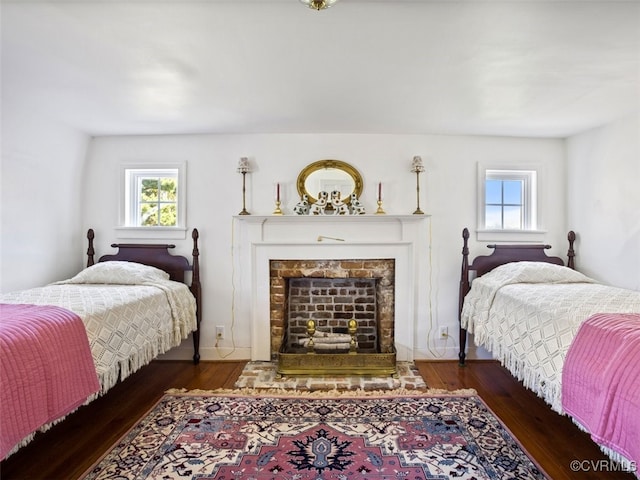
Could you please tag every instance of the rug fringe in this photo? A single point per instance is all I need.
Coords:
(275, 392)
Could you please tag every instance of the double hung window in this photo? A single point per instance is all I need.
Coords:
(153, 200)
(152, 197)
(507, 202)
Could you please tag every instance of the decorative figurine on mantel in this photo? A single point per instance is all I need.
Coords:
(355, 207)
(329, 204)
(318, 208)
(339, 207)
(302, 207)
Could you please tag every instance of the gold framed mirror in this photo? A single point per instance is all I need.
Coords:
(328, 176)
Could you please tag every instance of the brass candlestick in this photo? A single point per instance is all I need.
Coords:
(278, 210)
(417, 166)
(380, 211)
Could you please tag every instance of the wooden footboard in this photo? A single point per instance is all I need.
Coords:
(158, 255)
(501, 254)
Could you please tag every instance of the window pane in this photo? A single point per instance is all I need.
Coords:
(493, 217)
(513, 192)
(149, 189)
(512, 217)
(168, 215)
(148, 214)
(493, 191)
(168, 189)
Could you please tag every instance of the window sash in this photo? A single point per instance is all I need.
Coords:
(514, 215)
(505, 207)
(156, 204)
(133, 199)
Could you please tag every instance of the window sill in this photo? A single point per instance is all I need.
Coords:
(510, 235)
(152, 233)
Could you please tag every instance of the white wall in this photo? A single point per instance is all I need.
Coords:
(448, 190)
(42, 195)
(50, 197)
(604, 201)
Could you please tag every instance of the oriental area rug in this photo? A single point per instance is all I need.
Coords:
(235, 435)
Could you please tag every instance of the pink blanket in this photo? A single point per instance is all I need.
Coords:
(601, 381)
(46, 369)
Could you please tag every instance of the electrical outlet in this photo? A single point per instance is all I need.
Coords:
(220, 332)
(444, 332)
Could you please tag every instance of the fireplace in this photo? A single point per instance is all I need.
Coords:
(332, 304)
(330, 293)
(300, 247)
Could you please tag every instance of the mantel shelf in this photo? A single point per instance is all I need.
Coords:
(329, 218)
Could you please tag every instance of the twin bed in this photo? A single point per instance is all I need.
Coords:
(66, 343)
(573, 341)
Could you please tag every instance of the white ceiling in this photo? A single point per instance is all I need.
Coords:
(525, 68)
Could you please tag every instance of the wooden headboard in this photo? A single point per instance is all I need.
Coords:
(501, 254)
(158, 255)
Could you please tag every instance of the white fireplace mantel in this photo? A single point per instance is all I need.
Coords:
(258, 239)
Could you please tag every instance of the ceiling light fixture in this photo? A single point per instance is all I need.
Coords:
(318, 4)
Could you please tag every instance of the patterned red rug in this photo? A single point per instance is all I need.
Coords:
(226, 436)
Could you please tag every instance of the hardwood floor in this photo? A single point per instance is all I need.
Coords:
(71, 447)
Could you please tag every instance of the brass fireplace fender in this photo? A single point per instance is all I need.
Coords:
(342, 364)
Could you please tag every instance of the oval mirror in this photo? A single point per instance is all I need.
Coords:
(328, 176)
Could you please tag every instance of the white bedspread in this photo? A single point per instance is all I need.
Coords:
(527, 314)
(127, 325)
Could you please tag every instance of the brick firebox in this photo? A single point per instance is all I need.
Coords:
(337, 291)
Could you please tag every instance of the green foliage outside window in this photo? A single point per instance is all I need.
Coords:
(158, 202)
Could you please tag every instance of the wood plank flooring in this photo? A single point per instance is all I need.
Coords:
(69, 448)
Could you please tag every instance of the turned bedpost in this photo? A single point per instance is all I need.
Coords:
(464, 289)
(571, 253)
(90, 251)
(197, 293)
